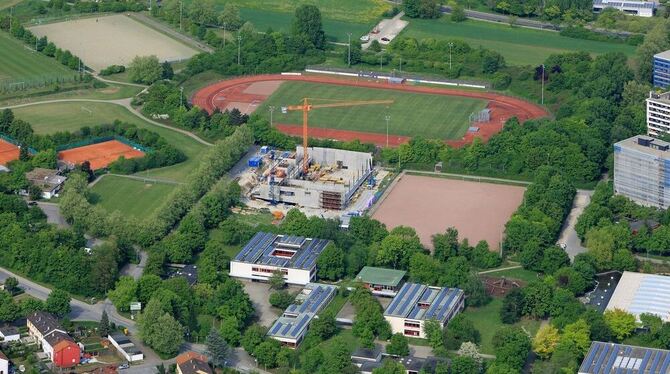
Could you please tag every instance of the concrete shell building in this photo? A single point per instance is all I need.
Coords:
(639, 293)
(642, 170)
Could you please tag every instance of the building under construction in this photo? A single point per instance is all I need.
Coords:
(332, 178)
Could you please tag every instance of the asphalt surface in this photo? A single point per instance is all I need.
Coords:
(569, 239)
(52, 212)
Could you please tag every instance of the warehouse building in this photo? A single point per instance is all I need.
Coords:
(292, 326)
(631, 7)
(381, 281)
(294, 256)
(416, 303)
(621, 358)
(642, 170)
(639, 293)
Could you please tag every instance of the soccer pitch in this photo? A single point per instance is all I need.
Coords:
(411, 114)
(129, 196)
(19, 63)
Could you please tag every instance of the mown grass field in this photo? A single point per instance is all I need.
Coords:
(51, 118)
(519, 46)
(431, 116)
(17, 63)
(129, 196)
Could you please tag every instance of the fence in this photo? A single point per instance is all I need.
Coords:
(102, 139)
(16, 85)
(8, 139)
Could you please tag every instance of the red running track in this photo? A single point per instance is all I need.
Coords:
(502, 107)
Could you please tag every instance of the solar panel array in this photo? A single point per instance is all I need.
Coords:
(626, 4)
(260, 248)
(604, 358)
(652, 296)
(411, 300)
(297, 317)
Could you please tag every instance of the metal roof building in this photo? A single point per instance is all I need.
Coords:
(292, 326)
(416, 303)
(381, 281)
(639, 293)
(633, 7)
(620, 358)
(294, 256)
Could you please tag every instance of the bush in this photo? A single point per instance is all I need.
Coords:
(501, 81)
(112, 69)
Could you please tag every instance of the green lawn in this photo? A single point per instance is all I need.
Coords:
(4, 4)
(431, 116)
(129, 196)
(20, 64)
(51, 118)
(519, 46)
(487, 320)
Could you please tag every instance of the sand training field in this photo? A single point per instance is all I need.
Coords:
(477, 210)
(112, 40)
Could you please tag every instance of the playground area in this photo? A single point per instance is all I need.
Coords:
(112, 40)
(478, 210)
(8, 152)
(446, 113)
(100, 155)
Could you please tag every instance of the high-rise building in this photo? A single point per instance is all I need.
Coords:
(642, 170)
(658, 113)
(662, 69)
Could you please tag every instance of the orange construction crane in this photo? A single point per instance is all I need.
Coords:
(306, 107)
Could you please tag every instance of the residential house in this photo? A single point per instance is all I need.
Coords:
(53, 339)
(4, 364)
(192, 363)
(46, 180)
(9, 333)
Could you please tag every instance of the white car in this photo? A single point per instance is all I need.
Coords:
(365, 38)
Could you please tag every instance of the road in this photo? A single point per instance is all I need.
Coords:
(136, 270)
(52, 211)
(569, 237)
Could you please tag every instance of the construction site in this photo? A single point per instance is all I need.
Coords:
(325, 179)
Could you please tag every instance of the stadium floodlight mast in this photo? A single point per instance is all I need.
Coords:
(542, 100)
(451, 44)
(239, 47)
(272, 109)
(381, 60)
(349, 61)
(388, 119)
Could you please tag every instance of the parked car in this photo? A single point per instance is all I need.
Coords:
(365, 38)
(124, 366)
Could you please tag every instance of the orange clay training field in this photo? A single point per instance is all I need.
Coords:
(430, 205)
(8, 152)
(100, 155)
(247, 93)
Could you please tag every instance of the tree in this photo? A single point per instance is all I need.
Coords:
(281, 299)
(398, 346)
(330, 263)
(253, 336)
(545, 341)
(11, 285)
(145, 69)
(464, 365)
(398, 247)
(277, 281)
(576, 338)
(390, 366)
(512, 345)
(266, 353)
(655, 41)
(470, 350)
(512, 306)
(475, 291)
(217, 348)
(422, 8)
(230, 17)
(202, 12)
(553, 259)
(445, 245)
(324, 327)
(124, 293)
(58, 303)
(434, 334)
(230, 330)
(104, 329)
(307, 23)
(620, 322)
(460, 330)
(458, 14)
(168, 72)
(168, 334)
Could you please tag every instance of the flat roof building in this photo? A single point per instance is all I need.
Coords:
(126, 348)
(416, 303)
(381, 281)
(292, 326)
(658, 107)
(621, 358)
(661, 69)
(631, 7)
(46, 180)
(642, 170)
(294, 256)
(639, 293)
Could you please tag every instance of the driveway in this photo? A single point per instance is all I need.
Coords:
(388, 29)
(569, 237)
(52, 212)
(259, 293)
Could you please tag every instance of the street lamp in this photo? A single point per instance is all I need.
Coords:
(450, 46)
(181, 95)
(387, 118)
(381, 60)
(272, 109)
(542, 84)
(349, 61)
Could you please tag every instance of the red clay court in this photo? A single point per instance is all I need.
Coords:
(8, 152)
(479, 211)
(247, 93)
(100, 155)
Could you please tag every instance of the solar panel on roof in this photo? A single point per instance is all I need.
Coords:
(666, 363)
(601, 358)
(645, 360)
(277, 325)
(652, 369)
(306, 318)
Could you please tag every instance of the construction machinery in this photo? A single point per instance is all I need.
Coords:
(306, 107)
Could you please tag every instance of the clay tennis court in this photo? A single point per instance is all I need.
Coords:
(8, 152)
(100, 155)
(246, 93)
(479, 211)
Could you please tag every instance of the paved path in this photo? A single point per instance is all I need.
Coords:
(155, 24)
(135, 177)
(52, 211)
(122, 102)
(501, 269)
(136, 270)
(569, 238)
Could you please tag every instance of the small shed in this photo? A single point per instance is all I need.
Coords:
(255, 162)
(381, 281)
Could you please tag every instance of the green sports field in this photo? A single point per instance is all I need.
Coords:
(51, 118)
(412, 114)
(519, 46)
(17, 63)
(129, 196)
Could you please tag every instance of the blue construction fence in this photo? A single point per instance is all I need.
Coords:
(8, 139)
(102, 139)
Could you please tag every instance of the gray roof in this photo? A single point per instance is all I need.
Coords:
(663, 55)
(119, 338)
(639, 293)
(260, 250)
(44, 322)
(420, 302)
(295, 320)
(645, 145)
(620, 358)
(8, 330)
(625, 4)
